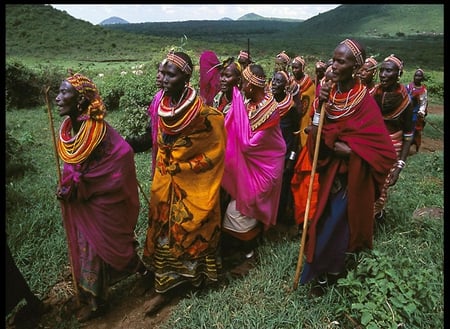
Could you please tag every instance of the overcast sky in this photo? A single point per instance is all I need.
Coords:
(139, 13)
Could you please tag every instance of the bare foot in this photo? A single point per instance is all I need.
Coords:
(155, 304)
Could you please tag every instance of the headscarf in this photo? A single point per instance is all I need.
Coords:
(96, 109)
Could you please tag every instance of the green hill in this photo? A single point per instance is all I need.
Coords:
(45, 33)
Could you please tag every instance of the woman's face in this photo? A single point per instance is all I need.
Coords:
(343, 64)
(418, 77)
(389, 75)
(366, 73)
(229, 77)
(159, 77)
(67, 99)
(174, 80)
(247, 88)
(278, 84)
(297, 70)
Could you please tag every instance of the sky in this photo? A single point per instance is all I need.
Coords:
(140, 13)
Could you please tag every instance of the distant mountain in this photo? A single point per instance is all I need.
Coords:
(113, 20)
(251, 17)
(225, 19)
(256, 17)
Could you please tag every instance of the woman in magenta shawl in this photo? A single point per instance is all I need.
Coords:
(98, 194)
(354, 159)
(254, 161)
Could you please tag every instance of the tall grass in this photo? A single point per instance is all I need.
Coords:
(397, 285)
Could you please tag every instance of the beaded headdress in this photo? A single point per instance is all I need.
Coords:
(180, 63)
(321, 64)
(253, 78)
(299, 59)
(243, 55)
(86, 88)
(356, 51)
(282, 58)
(371, 61)
(396, 61)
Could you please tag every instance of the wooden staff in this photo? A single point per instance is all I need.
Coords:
(58, 170)
(308, 200)
(143, 193)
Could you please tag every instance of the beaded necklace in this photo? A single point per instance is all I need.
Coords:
(344, 104)
(258, 113)
(188, 108)
(77, 148)
(285, 105)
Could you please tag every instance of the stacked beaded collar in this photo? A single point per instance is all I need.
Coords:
(259, 113)
(285, 105)
(344, 104)
(77, 148)
(173, 120)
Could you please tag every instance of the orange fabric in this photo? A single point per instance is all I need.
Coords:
(300, 186)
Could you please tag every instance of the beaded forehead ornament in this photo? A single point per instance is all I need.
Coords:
(180, 63)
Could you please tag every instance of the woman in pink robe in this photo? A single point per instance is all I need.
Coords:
(254, 162)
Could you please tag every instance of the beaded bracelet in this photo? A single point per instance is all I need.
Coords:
(400, 164)
(316, 118)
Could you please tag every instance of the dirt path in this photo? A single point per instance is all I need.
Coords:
(126, 308)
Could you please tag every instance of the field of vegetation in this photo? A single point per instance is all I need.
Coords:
(399, 284)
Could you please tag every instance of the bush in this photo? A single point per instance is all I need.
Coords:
(22, 86)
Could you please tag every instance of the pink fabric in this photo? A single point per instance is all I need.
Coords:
(254, 162)
(153, 114)
(209, 77)
(104, 203)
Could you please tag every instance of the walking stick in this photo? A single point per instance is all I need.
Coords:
(143, 193)
(58, 170)
(308, 200)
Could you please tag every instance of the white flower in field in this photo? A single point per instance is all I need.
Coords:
(101, 75)
(123, 73)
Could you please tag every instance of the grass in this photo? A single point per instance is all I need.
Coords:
(399, 284)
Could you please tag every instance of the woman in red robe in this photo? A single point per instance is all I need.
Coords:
(355, 156)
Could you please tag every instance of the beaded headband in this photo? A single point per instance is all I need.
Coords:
(355, 51)
(284, 74)
(283, 57)
(253, 79)
(300, 60)
(420, 70)
(372, 61)
(180, 63)
(396, 61)
(243, 55)
(321, 64)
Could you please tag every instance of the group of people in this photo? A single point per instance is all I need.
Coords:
(229, 166)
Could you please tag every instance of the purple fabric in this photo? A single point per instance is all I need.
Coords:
(104, 202)
(153, 114)
(254, 162)
(209, 77)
